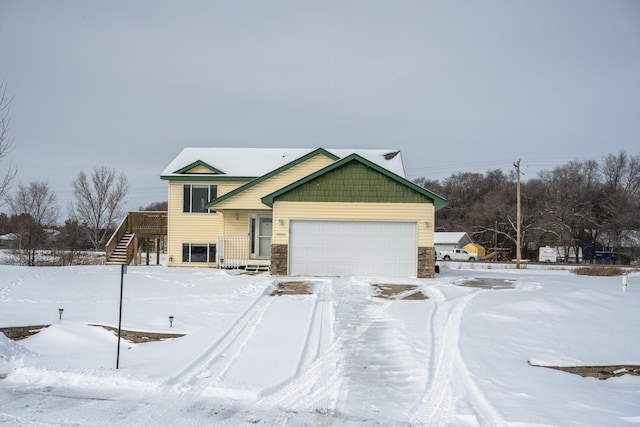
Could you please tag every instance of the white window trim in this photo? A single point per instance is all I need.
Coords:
(210, 187)
(208, 257)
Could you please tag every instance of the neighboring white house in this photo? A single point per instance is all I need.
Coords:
(448, 241)
(7, 239)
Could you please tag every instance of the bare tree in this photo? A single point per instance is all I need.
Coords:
(36, 205)
(621, 196)
(570, 212)
(97, 202)
(6, 144)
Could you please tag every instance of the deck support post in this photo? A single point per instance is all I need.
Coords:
(135, 250)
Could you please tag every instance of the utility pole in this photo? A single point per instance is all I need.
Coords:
(517, 166)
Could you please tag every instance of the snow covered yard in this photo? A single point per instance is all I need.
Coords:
(338, 356)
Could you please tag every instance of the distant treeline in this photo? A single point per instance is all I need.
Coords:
(587, 204)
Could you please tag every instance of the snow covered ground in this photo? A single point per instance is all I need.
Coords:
(340, 356)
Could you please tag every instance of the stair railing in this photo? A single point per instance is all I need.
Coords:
(115, 238)
(131, 251)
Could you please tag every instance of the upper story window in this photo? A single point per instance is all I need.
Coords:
(196, 196)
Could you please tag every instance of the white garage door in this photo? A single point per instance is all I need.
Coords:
(349, 248)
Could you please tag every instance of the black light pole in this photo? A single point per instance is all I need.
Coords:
(123, 271)
(60, 310)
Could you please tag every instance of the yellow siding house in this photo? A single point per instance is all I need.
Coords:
(330, 212)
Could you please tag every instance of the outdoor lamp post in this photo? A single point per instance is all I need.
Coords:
(60, 310)
(171, 321)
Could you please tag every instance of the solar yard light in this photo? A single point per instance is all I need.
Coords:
(171, 321)
(60, 310)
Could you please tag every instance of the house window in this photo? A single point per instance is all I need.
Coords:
(198, 252)
(195, 197)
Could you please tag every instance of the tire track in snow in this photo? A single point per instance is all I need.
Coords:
(314, 376)
(484, 411)
(318, 341)
(207, 368)
(318, 387)
(323, 389)
(320, 327)
(449, 377)
(322, 402)
(436, 404)
(215, 361)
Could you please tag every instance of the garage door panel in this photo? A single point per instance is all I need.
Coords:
(340, 248)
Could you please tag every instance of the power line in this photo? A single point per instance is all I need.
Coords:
(538, 163)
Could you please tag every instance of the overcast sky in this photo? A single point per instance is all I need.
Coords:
(456, 85)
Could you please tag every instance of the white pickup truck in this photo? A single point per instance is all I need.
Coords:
(456, 255)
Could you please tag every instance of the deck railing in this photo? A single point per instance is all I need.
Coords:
(147, 222)
(232, 252)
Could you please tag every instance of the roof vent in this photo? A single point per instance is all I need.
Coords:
(391, 155)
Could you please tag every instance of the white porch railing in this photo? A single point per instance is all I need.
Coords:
(232, 252)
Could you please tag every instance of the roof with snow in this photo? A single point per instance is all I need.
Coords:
(255, 162)
(450, 237)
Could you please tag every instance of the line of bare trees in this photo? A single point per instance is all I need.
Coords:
(93, 213)
(586, 205)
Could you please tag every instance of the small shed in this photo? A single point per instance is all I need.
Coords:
(476, 249)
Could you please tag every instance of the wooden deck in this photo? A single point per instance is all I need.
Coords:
(135, 228)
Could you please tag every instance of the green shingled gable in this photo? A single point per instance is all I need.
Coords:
(353, 182)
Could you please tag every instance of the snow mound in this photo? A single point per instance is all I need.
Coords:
(11, 353)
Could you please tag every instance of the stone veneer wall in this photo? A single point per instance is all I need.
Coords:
(279, 259)
(426, 262)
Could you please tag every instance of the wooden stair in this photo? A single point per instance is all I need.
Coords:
(119, 254)
(134, 231)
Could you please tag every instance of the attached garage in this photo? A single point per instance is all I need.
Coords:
(353, 218)
(352, 248)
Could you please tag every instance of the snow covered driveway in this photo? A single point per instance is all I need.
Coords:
(338, 356)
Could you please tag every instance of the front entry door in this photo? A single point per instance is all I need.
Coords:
(261, 227)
